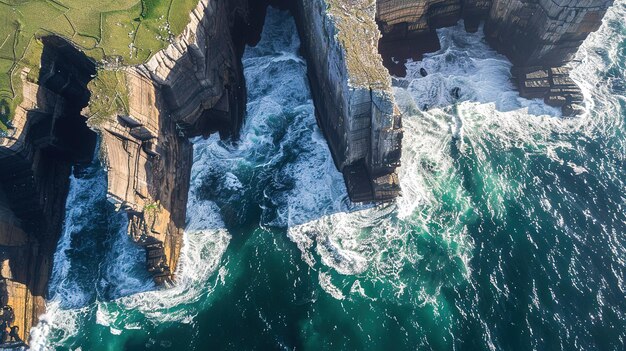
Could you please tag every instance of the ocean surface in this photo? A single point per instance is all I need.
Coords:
(510, 234)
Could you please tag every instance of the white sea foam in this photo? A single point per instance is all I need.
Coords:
(204, 244)
(79, 215)
(206, 238)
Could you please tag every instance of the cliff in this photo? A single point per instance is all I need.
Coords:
(148, 166)
(539, 37)
(146, 102)
(193, 87)
(352, 93)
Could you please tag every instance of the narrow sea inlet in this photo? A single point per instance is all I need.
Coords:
(509, 234)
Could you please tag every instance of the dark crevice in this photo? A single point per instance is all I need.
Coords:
(35, 175)
(400, 43)
(396, 47)
(66, 71)
(57, 137)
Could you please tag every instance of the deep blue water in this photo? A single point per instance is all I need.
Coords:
(509, 234)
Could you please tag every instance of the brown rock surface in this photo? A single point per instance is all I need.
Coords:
(553, 85)
(35, 164)
(148, 166)
(200, 74)
(543, 36)
(193, 87)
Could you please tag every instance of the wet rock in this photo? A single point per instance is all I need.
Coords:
(423, 72)
(551, 84)
(48, 138)
(542, 33)
(455, 93)
(572, 110)
(193, 87)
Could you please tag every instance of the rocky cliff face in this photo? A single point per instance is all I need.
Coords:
(352, 93)
(408, 26)
(200, 74)
(539, 37)
(194, 87)
(148, 165)
(409, 18)
(544, 32)
(529, 32)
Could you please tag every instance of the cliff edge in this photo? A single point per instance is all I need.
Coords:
(145, 115)
(145, 80)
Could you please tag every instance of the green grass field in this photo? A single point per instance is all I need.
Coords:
(126, 30)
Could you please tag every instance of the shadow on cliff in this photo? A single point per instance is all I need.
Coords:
(35, 171)
(201, 99)
(204, 94)
(36, 177)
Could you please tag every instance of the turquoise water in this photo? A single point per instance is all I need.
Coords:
(509, 234)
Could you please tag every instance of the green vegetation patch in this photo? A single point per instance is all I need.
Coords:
(124, 32)
(109, 96)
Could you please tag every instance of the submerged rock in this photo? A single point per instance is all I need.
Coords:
(455, 93)
(551, 84)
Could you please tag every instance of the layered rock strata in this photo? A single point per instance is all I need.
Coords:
(554, 85)
(352, 92)
(408, 26)
(401, 19)
(193, 87)
(200, 74)
(541, 35)
(148, 165)
(196, 87)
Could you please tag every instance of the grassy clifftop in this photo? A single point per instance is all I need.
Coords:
(119, 31)
(358, 34)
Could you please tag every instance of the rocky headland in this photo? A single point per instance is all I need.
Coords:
(144, 114)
